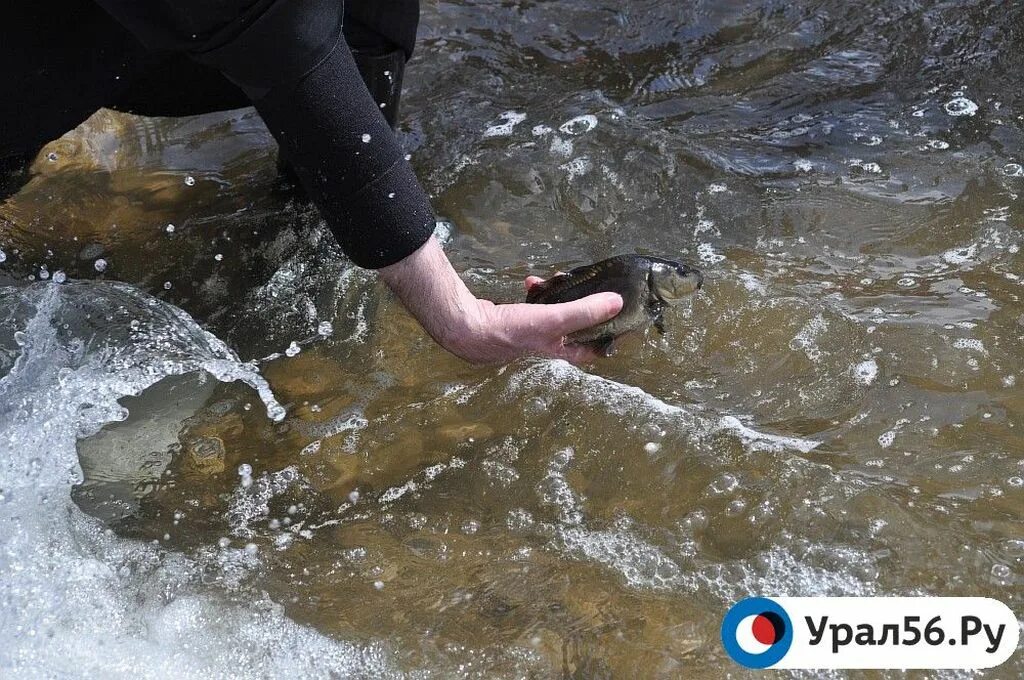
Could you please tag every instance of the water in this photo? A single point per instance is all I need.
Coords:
(838, 412)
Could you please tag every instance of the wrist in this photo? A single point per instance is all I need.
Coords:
(432, 291)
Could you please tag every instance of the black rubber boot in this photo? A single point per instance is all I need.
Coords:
(382, 74)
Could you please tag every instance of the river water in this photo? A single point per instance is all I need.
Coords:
(252, 462)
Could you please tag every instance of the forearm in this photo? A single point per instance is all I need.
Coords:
(428, 286)
(290, 58)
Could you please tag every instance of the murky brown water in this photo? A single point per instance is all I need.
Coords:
(840, 410)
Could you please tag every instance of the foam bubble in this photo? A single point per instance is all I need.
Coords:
(960, 106)
(958, 256)
(578, 125)
(865, 372)
(508, 121)
(577, 167)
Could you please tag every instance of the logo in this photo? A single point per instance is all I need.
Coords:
(757, 632)
(870, 632)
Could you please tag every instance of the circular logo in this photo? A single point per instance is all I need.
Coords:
(756, 632)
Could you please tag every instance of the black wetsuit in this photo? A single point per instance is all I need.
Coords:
(292, 59)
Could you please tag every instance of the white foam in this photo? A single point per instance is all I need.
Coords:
(561, 147)
(706, 253)
(77, 600)
(578, 125)
(807, 338)
(563, 378)
(865, 372)
(508, 121)
(971, 344)
(959, 256)
(960, 106)
(577, 167)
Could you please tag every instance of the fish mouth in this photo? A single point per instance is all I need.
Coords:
(690, 281)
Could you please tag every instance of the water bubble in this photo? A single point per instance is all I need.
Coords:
(325, 328)
(379, 585)
(652, 447)
(937, 144)
(1013, 170)
(167, 285)
(43, 273)
(190, 181)
(59, 276)
(725, 484)
(735, 507)
(1016, 482)
(906, 282)
(274, 524)
(470, 526)
(293, 349)
(3, 256)
(223, 541)
(1001, 571)
(353, 496)
(218, 257)
(169, 228)
(251, 548)
(960, 106)
(52, 157)
(803, 165)
(695, 521)
(366, 138)
(391, 194)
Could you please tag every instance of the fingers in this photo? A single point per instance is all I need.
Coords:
(570, 317)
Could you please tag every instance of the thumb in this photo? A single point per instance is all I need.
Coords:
(586, 312)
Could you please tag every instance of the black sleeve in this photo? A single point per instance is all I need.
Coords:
(290, 57)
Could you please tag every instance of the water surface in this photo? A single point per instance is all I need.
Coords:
(838, 412)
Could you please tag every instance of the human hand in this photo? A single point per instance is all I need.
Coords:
(480, 331)
(497, 333)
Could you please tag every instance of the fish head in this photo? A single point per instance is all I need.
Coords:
(672, 281)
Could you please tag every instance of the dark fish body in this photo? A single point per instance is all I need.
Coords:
(647, 285)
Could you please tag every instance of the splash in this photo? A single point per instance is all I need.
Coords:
(78, 600)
